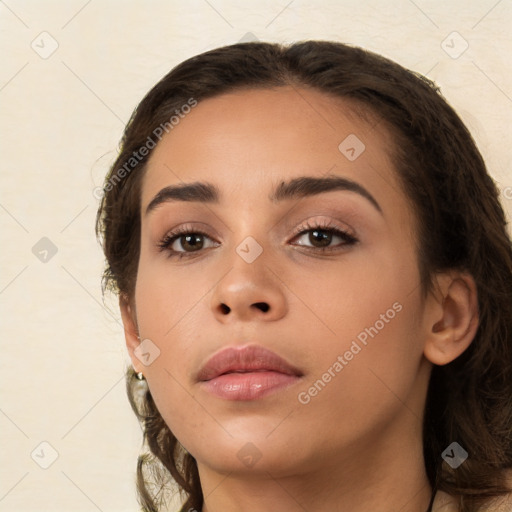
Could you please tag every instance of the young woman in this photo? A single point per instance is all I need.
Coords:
(315, 279)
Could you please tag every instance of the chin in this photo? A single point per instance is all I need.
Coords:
(254, 451)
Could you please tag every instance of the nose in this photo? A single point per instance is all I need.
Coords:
(248, 292)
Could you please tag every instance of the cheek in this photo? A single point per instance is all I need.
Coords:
(169, 306)
(365, 295)
(373, 351)
(167, 296)
(363, 381)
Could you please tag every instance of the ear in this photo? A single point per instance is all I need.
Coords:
(131, 331)
(452, 317)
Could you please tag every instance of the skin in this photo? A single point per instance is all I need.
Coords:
(356, 446)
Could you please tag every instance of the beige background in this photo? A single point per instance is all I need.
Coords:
(62, 114)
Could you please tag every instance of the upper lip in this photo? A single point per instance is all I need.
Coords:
(245, 359)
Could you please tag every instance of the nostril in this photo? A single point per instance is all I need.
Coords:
(224, 308)
(263, 306)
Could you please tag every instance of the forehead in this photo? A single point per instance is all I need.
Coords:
(248, 140)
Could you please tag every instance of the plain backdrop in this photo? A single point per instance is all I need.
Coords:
(72, 72)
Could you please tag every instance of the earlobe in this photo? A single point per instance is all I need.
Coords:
(131, 331)
(452, 322)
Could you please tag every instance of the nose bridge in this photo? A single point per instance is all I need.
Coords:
(251, 288)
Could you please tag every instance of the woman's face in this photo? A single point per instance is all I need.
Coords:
(344, 311)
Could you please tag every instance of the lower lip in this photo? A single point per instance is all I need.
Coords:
(248, 386)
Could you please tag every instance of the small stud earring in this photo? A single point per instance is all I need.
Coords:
(140, 376)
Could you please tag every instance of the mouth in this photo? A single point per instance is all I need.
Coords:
(246, 373)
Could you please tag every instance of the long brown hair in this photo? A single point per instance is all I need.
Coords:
(461, 225)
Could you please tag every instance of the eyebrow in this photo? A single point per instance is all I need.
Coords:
(303, 186)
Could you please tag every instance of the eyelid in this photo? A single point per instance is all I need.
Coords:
(195, 227)
(181, 230)
(326, 223)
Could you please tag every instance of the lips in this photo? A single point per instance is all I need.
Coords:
(246, 373)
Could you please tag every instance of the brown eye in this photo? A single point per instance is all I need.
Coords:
(183, 242)
(321, 238)
(193, 241)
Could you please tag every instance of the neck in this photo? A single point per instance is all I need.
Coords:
(387, 475)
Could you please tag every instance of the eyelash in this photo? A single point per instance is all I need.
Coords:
(169, 238)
